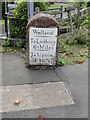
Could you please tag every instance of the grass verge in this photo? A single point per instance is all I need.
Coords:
(73, 48)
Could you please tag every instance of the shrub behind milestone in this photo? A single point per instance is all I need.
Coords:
(79, 37)
(19, 22)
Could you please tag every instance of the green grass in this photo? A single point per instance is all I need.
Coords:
(10, 49)
(72, 52)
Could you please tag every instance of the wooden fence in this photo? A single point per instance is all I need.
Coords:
(58, 13)
(61, 14)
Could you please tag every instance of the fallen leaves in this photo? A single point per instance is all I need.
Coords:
(66, 53)
(85, 50)
(2, 52)
(40, 118)
(79, 61)
(22, 55)
(16, 101)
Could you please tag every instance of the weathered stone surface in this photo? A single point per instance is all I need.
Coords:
(42, 21)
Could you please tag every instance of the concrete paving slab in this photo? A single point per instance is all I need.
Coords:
(35, 96)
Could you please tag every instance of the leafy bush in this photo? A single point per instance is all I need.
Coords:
(5, 43)
(81, 38)
(78, 37)
(19, 23)
(86, 22)
(42, 5)
(18, 28)
(62, 47)
(88, 4)
(60, 62)
(19, 44)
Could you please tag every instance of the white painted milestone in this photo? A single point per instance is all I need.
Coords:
(42, 46)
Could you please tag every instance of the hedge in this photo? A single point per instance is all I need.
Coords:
(19, 22)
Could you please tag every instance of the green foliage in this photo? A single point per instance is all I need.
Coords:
(79, 4)
(73, 48)
(84, 5)
(77, 18)
(62, 47)
(88, 4)
(78, 37)
(19, 23)
(19, 44)
(25, 61)
(5, 43)
(81, 38)
(23, 50)
(18, 28)
(42, 5)
(86, 22)
(21, 11)
(60, 62)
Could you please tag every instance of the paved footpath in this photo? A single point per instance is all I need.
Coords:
(74, 77)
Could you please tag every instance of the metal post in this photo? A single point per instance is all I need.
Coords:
(6, 27)
(5, 6)
(61, 11)
(70, 21)
(0, 10)
(9, 18)
(31, 8)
